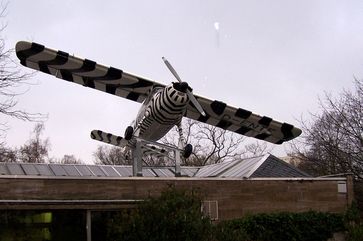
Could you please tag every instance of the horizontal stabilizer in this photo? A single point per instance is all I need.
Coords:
(108, 138)
(155, 151)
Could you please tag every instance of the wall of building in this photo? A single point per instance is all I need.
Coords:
(226, 198)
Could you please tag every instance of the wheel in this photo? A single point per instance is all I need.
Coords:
(128, 133)
(188, 149)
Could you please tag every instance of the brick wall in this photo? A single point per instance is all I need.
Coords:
(233, 197)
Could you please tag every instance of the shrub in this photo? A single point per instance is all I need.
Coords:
(175, 215)
(355, 233)
(232, 230)
(352, 214)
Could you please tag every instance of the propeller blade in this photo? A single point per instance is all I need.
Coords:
(190, 94)
(172, 70)
(195, 103)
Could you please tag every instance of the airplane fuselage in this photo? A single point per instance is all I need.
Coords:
(161, 112)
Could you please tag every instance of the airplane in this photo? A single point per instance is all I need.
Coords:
(163, 106)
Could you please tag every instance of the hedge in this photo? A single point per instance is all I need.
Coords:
(176, 215)
(306, 226)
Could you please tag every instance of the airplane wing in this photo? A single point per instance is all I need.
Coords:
(242, 121)
(117, 82)
(84, 71)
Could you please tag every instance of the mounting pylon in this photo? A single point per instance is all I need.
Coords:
(154, 148)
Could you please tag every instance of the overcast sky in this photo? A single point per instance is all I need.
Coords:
(271, 57)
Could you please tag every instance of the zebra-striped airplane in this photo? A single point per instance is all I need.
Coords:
(163, 106)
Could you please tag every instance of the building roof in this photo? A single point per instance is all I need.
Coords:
(262, 166)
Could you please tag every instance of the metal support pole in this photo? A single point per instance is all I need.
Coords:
(177, 163)
(137, 156)
(142, 145)
(88, 225)
(177, 157)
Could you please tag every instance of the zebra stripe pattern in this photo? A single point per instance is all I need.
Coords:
(154, 151)
(242, 121)
(147, 150)
(108, 138)
(84, 71)
(114, 81)
(166, 109)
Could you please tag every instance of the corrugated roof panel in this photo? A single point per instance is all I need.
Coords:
(146, 172)
(188, 171)
(84, 170)
(71, 170)
(110, 171)
(3, 169)
(15, 169)
(29, 169)
(125, 171)
(263, 166)
(206, 171)
(215, 169)
(97, 171)
(163, 172)
(58, 170)
(242, 168)
(44, 170)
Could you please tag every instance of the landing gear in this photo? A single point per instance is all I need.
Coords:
(188, 149)
(128, 133)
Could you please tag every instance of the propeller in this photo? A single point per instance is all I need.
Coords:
(189, 93)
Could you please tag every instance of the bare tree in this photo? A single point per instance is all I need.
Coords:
(7, 154)
(254, 149)
(110, 155)
(13, 79)
(70, 159)
(212, 144)
(157, 160)
(36, 149)
(333, 141)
